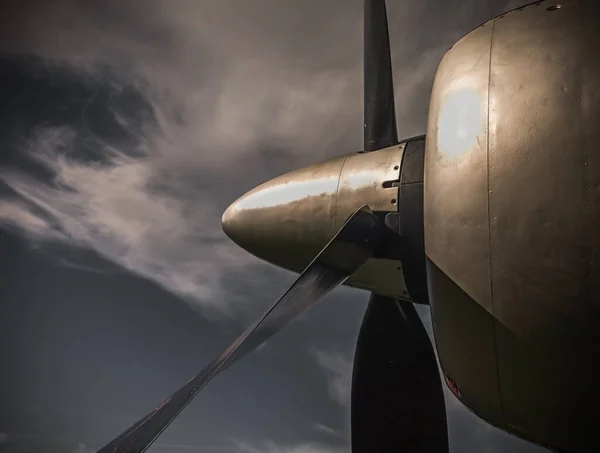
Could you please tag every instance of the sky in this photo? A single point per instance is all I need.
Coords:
(126, 129)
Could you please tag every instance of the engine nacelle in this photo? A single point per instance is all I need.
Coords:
(512, 221)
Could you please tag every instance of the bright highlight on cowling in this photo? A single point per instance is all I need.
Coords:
(461, 123)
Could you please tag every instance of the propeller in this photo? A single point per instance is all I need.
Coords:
(397, 397)
(358, 239)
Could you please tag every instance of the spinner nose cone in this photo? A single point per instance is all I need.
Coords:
(288, 219)
(235, 222)
(228, 221)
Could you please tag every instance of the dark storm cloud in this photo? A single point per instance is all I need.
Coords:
(210, 136)
(132, 125)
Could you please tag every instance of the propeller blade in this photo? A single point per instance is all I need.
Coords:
(357, 240)
(397, 396)
(380, 112)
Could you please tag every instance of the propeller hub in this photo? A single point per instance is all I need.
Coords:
(287, 220)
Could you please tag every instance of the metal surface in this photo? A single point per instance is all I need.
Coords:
(380, 112)
(456, 223)
(372, 179)
(544, 201)
(516, 226)
(464, 334)
(411, 225)
(356, 241)
(288, 219)
(397, 397)
(455, 192)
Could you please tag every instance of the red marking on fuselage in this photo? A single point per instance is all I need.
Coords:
(453, 386)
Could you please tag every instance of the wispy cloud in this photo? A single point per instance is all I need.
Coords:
(15, 213)
(338, 368)
(270, 447)
(153, 203)
(22, 442)
(325, 429)
(113, 209)
(82, 267)
(83, 448)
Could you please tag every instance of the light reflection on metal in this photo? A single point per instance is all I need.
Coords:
(287, 220)
(363, 177)
(460, 122)
(455, 176)
(280, 194)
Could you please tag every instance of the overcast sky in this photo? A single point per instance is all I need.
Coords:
(126, 129)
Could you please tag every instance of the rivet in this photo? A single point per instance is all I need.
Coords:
(393, 201)
(396, 167)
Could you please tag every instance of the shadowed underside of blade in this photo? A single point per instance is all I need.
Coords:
(397, 400)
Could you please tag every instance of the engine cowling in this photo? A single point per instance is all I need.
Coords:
(512, 221)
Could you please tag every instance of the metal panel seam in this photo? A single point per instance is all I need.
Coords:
(495, 321)
(337, 196)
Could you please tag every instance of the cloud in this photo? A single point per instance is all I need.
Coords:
(338, 368)
(325, 429)
(21, 216)
(83, 448)
(153, 203)
(112, 208)
(270, 447)
(82, 267)
(21, 442)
